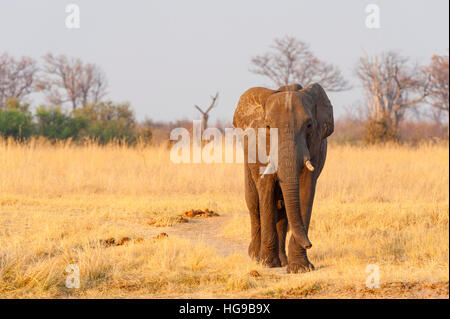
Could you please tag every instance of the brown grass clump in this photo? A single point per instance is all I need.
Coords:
(108, 242)
(162, 235)
(122, 241)
(198, 213)
(254, 273)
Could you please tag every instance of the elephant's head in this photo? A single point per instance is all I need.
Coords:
(304, 117)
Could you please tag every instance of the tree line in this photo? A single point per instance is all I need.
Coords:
(393, 85)
(63, 81)
(76, 108)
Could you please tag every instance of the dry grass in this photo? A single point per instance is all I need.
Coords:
(384, 205)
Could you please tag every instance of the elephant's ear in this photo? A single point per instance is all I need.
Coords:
(322, 109)
(251, 107)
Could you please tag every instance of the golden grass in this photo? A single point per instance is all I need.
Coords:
(384, 205)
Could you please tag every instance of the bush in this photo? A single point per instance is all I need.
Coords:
(14, 104)
(15, 123)
(144, 134)
(109, 121)
(347, 131)
(103, 122)
(53, 123)
(417, 132)
(379, 131)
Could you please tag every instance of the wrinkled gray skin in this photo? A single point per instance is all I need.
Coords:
(304, 118)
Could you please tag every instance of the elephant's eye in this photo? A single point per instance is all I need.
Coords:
(309, 126)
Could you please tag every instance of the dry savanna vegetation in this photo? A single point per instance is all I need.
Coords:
(123, 216)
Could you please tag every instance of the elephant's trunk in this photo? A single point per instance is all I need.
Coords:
(289, 172)
(290, 191)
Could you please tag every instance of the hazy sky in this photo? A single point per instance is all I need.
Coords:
(165, 56)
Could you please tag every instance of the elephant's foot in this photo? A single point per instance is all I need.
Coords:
(294, 268)
(298, 262)
(270, 260)
(253, 251)
(283, 259)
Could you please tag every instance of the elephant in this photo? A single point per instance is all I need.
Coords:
(284, 199)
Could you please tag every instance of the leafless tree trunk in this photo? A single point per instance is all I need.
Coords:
(70, 80)
(17, 77)
(205, 114)
(291, 61)
(391, 85)
(436, 77)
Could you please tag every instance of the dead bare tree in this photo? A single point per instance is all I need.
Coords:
(436, 77)
(391, 85)
(71, 80)
(291, 61)
(17, 77)
(205, 114)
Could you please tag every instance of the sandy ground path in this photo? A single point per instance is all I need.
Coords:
(205, 230)
(210, 232)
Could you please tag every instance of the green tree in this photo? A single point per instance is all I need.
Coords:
(14, 104)
(15, 123)
(109, 121)
(54, 123)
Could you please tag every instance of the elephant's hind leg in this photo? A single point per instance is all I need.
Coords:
(282, 225)
(252, 200)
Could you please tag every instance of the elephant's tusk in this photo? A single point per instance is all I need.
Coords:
(309, 166)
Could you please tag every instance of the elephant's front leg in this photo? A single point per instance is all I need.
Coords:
(298, 260)
(252, 200)
(269, 238)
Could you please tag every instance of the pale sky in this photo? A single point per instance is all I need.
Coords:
(165, 56)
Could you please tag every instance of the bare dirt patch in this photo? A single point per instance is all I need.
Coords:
(203, 229)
